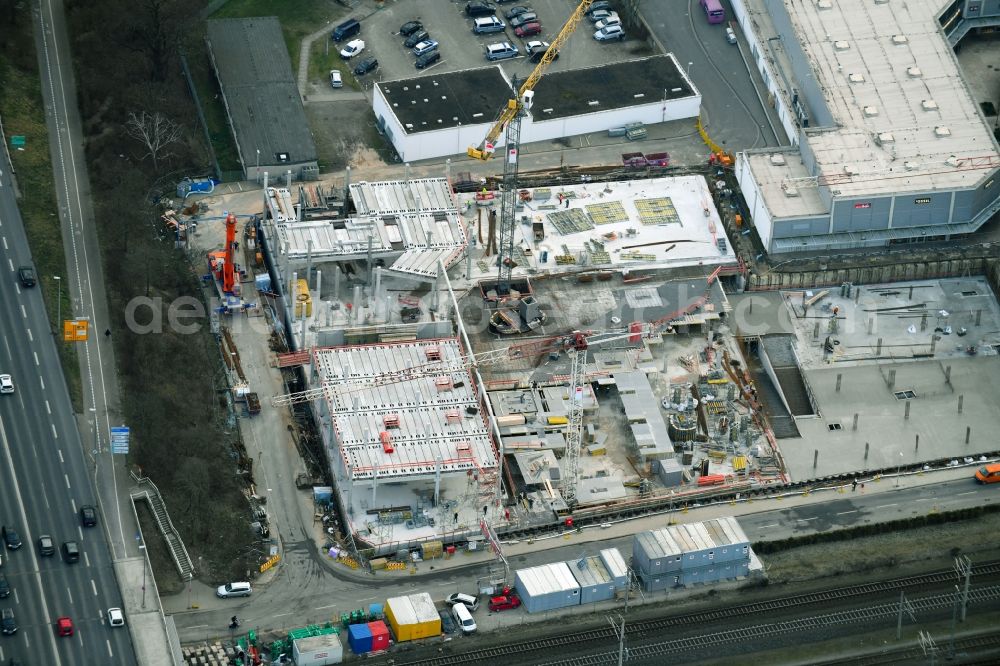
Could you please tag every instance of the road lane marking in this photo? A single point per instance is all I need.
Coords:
(198, 626)
(55, 435)
(325, 607)
(86, 558)
(36, 358)
(80, 530)
(771, 525)
(281, 614)
(5, 344)
(11, 265)
(971, 492)
(923, 499)
(66, 476)
(24, 313)
(59, 451)
(31, 338)
(46, 498)
(70, 593)
(5, 243)
(108, 643)
(844, 513)
(886, 506)
(806, 520)
(43, 383)
(47, 408)
(93, 586)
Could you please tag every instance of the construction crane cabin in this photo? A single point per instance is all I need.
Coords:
(522, 313)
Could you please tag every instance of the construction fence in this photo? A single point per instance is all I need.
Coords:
(885, 273)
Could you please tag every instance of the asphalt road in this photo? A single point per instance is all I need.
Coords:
(307, 592)
(731, 109)
(44, 481)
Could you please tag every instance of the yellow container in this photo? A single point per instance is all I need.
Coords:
(413, 617)
(303, 299)
(432, 549)
(557, 420)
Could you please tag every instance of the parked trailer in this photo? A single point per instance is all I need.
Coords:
(640, 161)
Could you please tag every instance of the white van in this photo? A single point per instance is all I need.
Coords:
(464, 618)
(234, 590)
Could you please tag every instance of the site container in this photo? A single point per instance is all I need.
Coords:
(380, 635)
(547, 587)
(689, 546)
(303, 299)
(359, 637)
(616, 566)
(596, 582)
(413, 617)
(318, 650)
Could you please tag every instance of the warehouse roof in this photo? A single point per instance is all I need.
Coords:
(547, 579)
(447, 99)
(608, 86)
(260, 90)
(902, 118)
(432, 418)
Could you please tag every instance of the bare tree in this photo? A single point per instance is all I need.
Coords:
(155, 132)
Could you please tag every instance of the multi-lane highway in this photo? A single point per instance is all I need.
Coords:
(44, 479)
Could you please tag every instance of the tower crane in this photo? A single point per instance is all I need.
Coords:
(510, 120)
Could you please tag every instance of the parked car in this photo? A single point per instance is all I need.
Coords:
(425, 46)
(611, 20)
(6, 384)
(427, 59)
(609, 33)
(482, 26)
(64, 625)
(348, 28)
(470, 600)
(365, 66)
(447, 624)
(410, 27)
(4, 587)
(522, 19)
(598, 6)
(26, 274)
(536, 49)
(336, 80)
(352, 49)
(115, 617)
(8, 625)
(416, 38)
(504, 602)
(730, 35)
(479, 9)
(10, 536)
(599, 15)
(501, 51)
(517, 11)
(528, 30)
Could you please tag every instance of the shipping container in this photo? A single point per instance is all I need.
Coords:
(318, 650)
(380, 635)
(413, 617)
(547, 587)
(616, 566)
(689, 546)
(596, 582)
(359, 637)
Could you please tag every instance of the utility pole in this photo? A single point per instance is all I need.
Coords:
(620, 634)
(954, 621)
(928, 645)
(963, 565)
(904, 606)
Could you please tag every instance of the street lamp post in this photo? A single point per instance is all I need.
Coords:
(142, 547)
(58, 302)
(257, 170)
(689, 69)
(899, 468)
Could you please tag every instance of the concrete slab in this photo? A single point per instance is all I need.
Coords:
(143, 613)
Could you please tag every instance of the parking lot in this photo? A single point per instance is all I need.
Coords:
(460, 48)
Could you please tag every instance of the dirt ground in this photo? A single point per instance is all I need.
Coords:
(791, 572)
(355, 143)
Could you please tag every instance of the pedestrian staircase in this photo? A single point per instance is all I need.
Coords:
(147, 490)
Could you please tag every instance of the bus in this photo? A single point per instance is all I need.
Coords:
(713, 10)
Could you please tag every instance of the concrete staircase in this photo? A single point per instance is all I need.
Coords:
(147, 490)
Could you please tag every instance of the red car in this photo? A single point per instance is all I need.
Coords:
(65, 626)
(504, 602)
(528, 29)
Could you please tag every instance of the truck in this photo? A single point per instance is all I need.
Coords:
(640, 161)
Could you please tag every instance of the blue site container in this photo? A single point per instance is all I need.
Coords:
(359, 637)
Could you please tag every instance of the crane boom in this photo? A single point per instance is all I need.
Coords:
(484, 150)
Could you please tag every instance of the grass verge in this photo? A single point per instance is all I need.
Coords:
(23, 114)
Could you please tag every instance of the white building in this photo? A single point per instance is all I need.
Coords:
(443, 114)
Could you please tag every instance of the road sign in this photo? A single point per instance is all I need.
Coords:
(17, 141)
(75, 330)
(119, 440)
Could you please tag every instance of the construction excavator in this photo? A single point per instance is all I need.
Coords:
(525, 315)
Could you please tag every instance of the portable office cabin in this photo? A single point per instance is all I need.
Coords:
(547, 587)
(413, 617)
(690, 546)
(615, 564)
(318, 650)
(596, 582)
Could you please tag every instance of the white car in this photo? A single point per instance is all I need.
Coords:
(613, 20)
(352, 49)
(6, 384)
(609, 33)
(115, 617)
(336, 81)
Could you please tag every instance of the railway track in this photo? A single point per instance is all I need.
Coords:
(647, 627)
